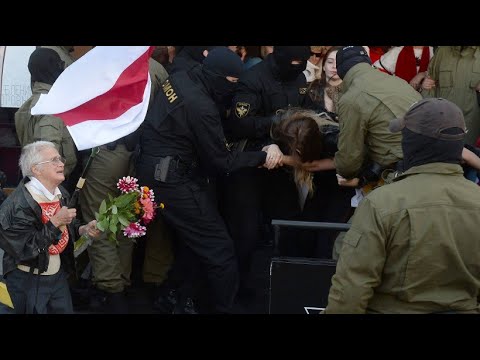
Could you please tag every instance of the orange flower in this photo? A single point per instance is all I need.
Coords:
(137, 207)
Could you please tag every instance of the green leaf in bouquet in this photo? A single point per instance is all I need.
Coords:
(100, 226)
(113, 228)
(132, 217)
(97, 216)
(101, 217)
(103, 207)
(124, 221)
(125, 199)
(103, 225)
(110, 198)
(114, 209)
(114, 219)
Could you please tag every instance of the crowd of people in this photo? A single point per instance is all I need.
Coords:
(382, 137)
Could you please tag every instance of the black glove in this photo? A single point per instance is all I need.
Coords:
(370, 174)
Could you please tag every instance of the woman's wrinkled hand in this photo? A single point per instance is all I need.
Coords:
(90, 230)
(63, 217)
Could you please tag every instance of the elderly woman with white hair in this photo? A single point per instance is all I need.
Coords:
(37, 232)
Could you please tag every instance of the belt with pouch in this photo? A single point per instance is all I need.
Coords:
(170, 165)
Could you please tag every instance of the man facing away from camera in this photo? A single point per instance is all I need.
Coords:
(413, 246)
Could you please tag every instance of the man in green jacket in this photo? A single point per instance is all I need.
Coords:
(369, 100)
(413, 246)
(454, 74)
(112, 264)
(65, 53)
(45, 66)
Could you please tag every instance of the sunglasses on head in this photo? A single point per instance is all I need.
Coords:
(315, 54)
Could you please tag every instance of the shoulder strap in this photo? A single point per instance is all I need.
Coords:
(383, 67)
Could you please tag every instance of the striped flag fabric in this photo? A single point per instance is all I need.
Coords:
(101, 97)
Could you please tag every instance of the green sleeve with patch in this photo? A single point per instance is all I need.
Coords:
(360, 266)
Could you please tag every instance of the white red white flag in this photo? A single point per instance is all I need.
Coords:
(101, 97)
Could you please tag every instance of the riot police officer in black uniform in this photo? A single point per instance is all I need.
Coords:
(182, 144)
(188, 57)
(276, 83)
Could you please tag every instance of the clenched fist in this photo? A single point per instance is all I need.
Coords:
(63, 217)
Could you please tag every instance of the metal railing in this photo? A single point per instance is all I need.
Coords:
(312, 225)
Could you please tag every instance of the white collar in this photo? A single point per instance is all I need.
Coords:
(40, 189)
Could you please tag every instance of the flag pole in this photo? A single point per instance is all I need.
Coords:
(81, 181)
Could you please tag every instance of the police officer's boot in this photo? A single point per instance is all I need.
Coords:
(117, 303)
(98, 300)
(186, 307)
(166, 301)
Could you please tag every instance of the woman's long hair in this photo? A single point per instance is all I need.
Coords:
(317, 87)
(299, 133)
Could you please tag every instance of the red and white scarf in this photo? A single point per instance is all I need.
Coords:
(50, 205)
(406, 67)
(48, 210)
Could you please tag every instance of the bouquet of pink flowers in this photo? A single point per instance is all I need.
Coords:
(129, 212)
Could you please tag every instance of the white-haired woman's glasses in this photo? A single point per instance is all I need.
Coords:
(57, 160)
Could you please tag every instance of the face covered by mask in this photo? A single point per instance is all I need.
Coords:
(284, 55)
(45, 65)
(196, 52)
(223, 90)
(348, 57)
(220, 63)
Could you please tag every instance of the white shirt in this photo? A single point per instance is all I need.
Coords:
(37, 187)
(389, 59)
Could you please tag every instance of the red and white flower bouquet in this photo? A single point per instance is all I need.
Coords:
(129, 212)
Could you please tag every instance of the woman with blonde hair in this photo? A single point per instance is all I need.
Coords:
(309, 141)
(305, 136)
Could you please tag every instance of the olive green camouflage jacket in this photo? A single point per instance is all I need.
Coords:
(414, 247)
(45, 127)
(457, 73)
(369, 100)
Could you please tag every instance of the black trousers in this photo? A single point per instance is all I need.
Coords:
(191, 211)
(240, 207)
(329, 203)
(250, 199)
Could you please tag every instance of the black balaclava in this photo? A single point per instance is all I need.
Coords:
(284, 55)
(196, 52)
(348, 57)
(45, 66)
(220, 63)
(420, 149)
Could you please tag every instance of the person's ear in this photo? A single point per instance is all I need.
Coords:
(35, 170)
